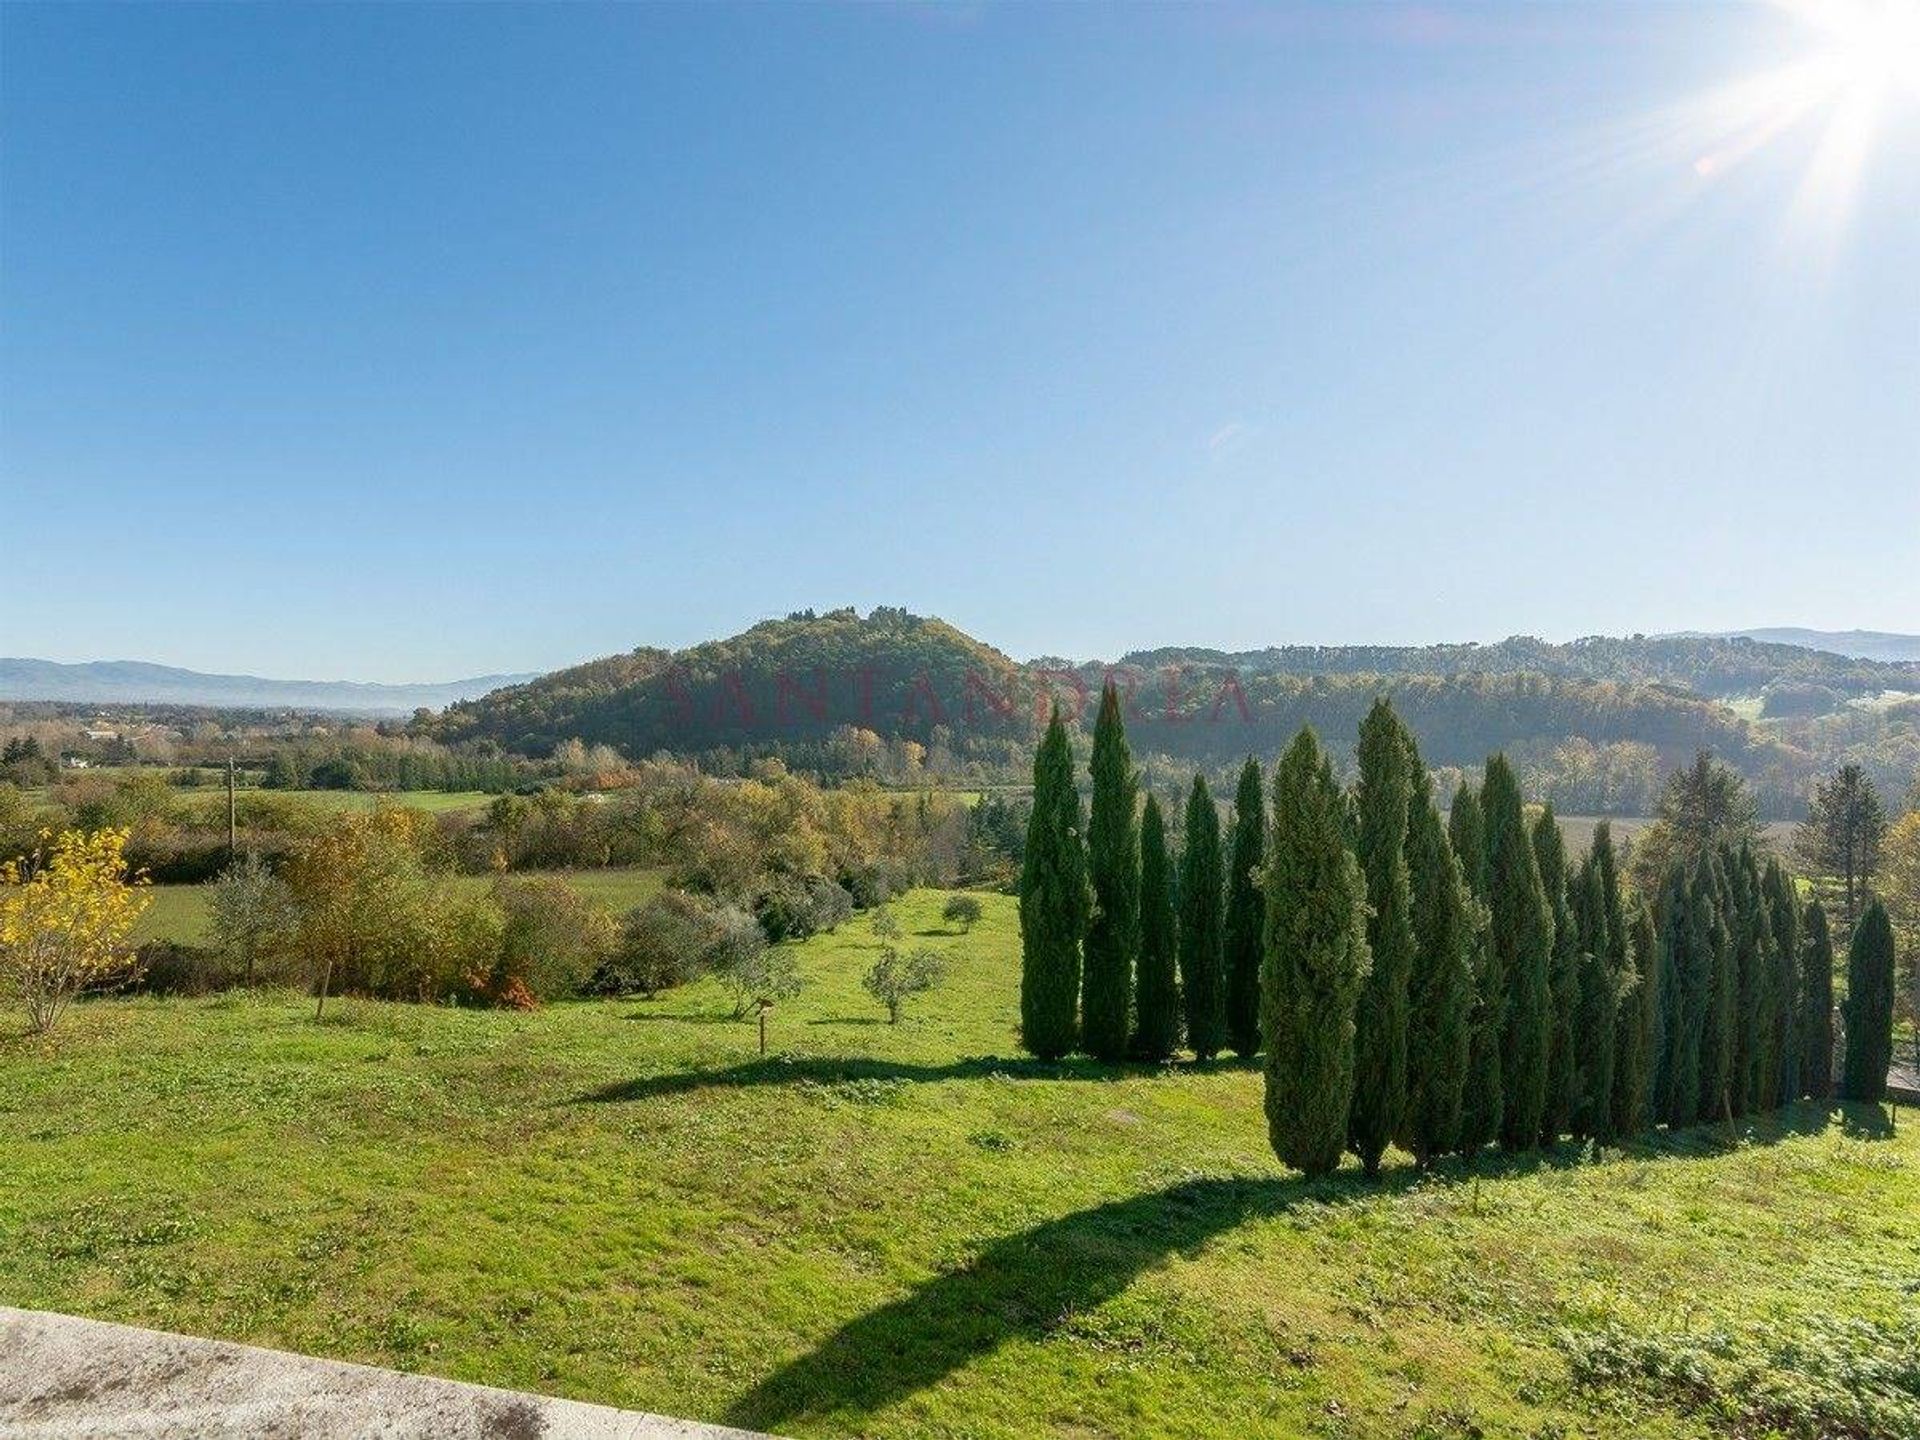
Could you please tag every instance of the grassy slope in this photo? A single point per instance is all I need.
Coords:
(883, 1235)
(179, 912)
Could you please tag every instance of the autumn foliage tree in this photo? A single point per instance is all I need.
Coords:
(66, 917)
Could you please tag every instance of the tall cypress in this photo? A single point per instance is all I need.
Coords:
(1157, 1024)
(1596, 1001)
(1816, 1013)
(1054, 902)
(1563, 977)
(1869, 1007)
(1440, 987)
(1718, 1026)
(1756, 1068)
(1482, 1102)
(1789, 1046)
(1380, 1021)
(1315, 962)
(1637, 1035)
(1113, 864)
(1202, 918)
(1246, 912)
(1523, 940)
(1686, 962)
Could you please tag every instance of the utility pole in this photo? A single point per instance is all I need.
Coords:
(230, 824)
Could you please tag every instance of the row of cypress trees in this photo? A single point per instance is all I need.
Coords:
(1439, 984)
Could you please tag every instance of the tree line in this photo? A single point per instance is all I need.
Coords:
(1437, 982)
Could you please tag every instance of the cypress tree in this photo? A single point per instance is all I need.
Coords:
(1523, 939)
(1869, 1007)
(1157, 1026)
(1246, 912)
(1684, 966)
(1563, 977)
(1380, 1021)
(1789, 1046)
(1596, 1001)
(1754, 967)
(1722, 992)
(1638, 1032)
(1482, 1102)
(1113, 864)
(1816, 1015)
(1202, 918)
(1315, 963)
(1440, 988)
(1054, 902)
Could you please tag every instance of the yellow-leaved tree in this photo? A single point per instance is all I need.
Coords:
(67, 913)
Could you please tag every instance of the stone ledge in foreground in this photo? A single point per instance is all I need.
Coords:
(64, 1378)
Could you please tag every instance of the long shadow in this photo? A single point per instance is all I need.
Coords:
(834, 1070)
(1029, 1284)
(1026, 1285)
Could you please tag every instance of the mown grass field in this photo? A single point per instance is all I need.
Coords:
(179, 912)
(908, 1231)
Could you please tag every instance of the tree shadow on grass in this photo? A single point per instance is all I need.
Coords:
(1026, 1285)
(836, 1070)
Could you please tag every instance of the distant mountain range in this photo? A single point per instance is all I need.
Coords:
(134, 682)
(1859, 644)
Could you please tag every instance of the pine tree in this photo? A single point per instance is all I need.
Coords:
(1246, 913)
(1482, 1102)
(1440, 987)
(1522, 937)
(1816, 1013)
(1054, 902)
(1596, 1001)
(1113, 864)
(1315, 962)
(1380, 1021)
(1789, 1045)
(1722, 992)
(1157, 1026)
(1638, 1033)
(1869, 1007)
(1563, 977)
(1202, 921)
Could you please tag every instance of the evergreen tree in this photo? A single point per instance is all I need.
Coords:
(1638, 1031)
(1054, 902)
(1202, 920)
(1816, 1013)
(1840, 840)
(1482, 1102)
(1113, 863)
(1380, 1021)
(1722, 992)
(1440, 987)
(1316, 962)
(1869, 1007)
(1563, 977)
(1157, 1025)
(1754, 970)
(1686, 964)
(1522, 937)
(1789, 1046)
(1246, 912)
(1596, 1001)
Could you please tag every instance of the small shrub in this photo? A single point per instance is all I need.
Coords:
(753, 971)
(663, 943)
(894, 978)
(961, 910)
(552, 939)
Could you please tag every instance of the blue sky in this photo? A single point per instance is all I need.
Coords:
(409, 342)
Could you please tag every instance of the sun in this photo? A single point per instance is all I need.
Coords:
(1865, 46)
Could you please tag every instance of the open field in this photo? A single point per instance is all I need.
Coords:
(1579, 831)
(179, 912)
(904, 1230)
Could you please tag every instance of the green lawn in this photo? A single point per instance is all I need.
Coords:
(215, 797)
(908, 1231)
(179, 912)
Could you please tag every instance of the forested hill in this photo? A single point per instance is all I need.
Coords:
(841, 693)
(1716, 666)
